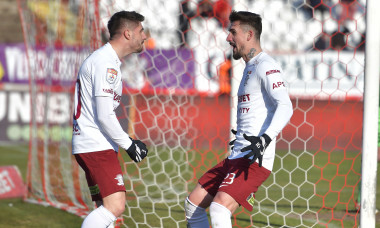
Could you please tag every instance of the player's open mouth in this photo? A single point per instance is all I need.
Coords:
(233, 45)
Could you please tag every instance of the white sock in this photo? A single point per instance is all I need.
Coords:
(196, 216)
(220, 216)
(99, 218)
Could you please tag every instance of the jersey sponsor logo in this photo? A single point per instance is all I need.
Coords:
(111, 75)
(108, 91)
(243, 98)
(243, 110)
(278, 85)
(116, 97)
(269, 72)
(251, 199)
(119, 179)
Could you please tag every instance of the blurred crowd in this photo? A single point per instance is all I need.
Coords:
(299, 25)
(336, 25)
(340, 30)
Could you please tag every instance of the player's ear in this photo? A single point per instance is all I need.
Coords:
(127, 34)
(250, 35)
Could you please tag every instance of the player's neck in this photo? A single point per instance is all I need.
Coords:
(254, 51)
(120, 49)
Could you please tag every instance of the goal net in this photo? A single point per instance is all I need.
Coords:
(180, 99)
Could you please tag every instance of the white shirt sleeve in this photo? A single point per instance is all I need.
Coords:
(104, 79)
(109, 122)
(277, 92)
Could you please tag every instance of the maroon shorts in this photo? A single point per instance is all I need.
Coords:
(103, 173)
(236, 178)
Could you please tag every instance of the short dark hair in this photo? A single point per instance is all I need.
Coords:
(247, 18)
(121, 19)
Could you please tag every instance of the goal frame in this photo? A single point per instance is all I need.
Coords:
(370, 116)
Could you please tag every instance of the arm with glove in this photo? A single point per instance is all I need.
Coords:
(136, 149)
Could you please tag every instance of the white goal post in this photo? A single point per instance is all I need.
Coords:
(371, 116)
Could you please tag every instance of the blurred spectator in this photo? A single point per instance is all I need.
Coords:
(185, 15)
(336, 41)
(344, 14)
(361, 46)
(345, 10)
(309, 6)
(206, 37)
(341, 16)
(205, 8)
(225, 77)
(222, 10)
(219, 10)
(322, 43)
(339, 39)
(341, 11)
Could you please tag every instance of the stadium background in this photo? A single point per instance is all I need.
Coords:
(324, 114)
(325, 120)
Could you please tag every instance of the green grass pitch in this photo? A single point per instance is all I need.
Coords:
(295, 186)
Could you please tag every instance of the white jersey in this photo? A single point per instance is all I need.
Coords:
(99, 75)
(263, 106)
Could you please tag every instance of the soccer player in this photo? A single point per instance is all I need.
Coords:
(97, 133)
(263, 110)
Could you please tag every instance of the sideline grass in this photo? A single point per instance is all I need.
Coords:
(17, 213)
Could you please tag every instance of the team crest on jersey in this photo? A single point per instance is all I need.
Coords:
(247, 77)
(111, 75)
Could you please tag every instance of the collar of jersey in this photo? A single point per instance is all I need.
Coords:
(252, 61)
(113, 53)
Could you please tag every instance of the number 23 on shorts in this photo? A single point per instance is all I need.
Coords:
(229, 179)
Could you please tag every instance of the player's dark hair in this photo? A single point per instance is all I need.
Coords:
(123, 19)
(248, 18)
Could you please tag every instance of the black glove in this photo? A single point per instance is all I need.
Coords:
(233, 141)
(137, 151)
(257, 147)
